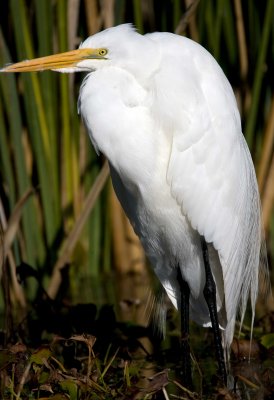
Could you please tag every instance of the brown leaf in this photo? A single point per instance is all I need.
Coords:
(18, 348)
(88, 339)
(225, 394)
(243, 349)
(158, 381)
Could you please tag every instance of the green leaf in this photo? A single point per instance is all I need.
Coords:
(71, 387)
(268, 340)
(40, 356)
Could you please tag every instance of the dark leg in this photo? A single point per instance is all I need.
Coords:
(184, 289)
(210, 297)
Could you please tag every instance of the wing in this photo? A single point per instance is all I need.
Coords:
(211, 173)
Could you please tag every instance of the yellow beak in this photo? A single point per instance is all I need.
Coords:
(56, 61)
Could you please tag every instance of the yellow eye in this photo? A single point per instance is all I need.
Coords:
(102, 52)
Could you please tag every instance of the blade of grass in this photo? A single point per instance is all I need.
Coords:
(6, 174)
(176, 13)
(64, 115)
(107, 231)
(259, 73)
(218, 24)
(209, 20)
(95, 233)
(138, 18)
(48, 81)
(109, 364)
(119, 11)
(70, 141)
(229, 33)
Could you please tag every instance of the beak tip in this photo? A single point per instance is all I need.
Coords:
(7, 68)
(4, 69)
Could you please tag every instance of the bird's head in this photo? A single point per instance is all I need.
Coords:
(120, 46)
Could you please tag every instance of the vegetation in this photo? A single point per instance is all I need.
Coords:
(57, 207)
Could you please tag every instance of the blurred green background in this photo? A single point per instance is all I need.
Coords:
(72, 216)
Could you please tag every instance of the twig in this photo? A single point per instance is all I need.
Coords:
(23, 380)
(165, 393)
(186, 17)
(73, 236)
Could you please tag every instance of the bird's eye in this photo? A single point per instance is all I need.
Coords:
(102, 52)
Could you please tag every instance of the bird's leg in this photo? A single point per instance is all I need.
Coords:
(184, 290)
(210, 297)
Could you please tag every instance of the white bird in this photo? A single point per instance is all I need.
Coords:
(161, 110)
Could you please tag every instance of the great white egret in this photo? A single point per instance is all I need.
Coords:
(161, 110)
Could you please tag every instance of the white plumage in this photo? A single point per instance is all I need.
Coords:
(165, 116)
(161, 110)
